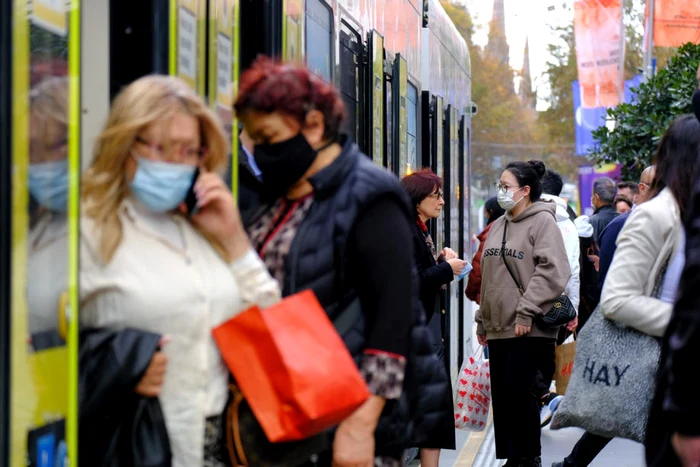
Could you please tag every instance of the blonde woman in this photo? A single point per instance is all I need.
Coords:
(146, 264)
(48, 186)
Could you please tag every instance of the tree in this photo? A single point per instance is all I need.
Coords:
(505, 129)
(641, 124)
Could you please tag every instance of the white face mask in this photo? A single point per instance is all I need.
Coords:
(505, 199)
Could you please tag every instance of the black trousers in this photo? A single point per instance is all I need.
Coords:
(586, 449)
(548, 366)
(515, 366)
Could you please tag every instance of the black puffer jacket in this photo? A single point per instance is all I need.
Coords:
(317, 261)
(676, 406)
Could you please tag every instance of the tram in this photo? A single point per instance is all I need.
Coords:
(401, 66)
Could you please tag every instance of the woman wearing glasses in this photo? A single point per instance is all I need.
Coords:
(148, 264)
(435, 271)
(528, 239)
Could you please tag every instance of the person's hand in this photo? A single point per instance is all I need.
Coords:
(572, 325)
(353, 445)
(687, 448)
(595, 260)
(218, 215)
(152, 381)
(482, 339)
(521, 330)
(457, 265)
(448, 253)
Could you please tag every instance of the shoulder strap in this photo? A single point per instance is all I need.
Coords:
(503, 255)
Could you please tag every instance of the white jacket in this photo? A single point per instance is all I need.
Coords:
(167, 279)
(650, 237)
(573, 249)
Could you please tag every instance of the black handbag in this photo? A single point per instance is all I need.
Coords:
(561, 313)
(248, 445)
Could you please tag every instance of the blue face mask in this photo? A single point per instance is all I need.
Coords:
(161, 186)
(48, 184)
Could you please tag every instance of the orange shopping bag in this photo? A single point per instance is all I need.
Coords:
(292, 367)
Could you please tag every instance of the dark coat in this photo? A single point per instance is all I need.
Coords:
(317, 261)
(432, 275)
(600, 220)
(676, 407)
(117, 427)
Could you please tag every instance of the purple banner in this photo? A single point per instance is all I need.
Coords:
(586, 176)
(588, 120)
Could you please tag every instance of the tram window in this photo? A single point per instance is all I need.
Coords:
(48, 184)
(412, 136)
(389, 125)
(350, 78)
(319, 37)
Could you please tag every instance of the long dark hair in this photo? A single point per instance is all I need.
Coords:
(677, 159)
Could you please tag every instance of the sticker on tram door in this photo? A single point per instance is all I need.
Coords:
(46, 446)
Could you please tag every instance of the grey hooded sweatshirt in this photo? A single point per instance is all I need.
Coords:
(535, 253)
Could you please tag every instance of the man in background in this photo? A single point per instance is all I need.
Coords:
(552, 185)
(629, 190)
(604, 190)
(608, 238)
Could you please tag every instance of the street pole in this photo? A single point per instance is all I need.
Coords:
(649, 54)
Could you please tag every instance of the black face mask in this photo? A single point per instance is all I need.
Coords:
(696, 103)
(283, 164)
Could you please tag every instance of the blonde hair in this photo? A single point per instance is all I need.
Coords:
(49, 106)
(142, 103)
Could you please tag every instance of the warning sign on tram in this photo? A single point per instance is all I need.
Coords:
(187, 45)
(50, 15)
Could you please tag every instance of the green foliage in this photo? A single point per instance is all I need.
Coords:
(641, 124)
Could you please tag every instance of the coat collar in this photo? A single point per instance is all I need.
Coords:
(331, 177)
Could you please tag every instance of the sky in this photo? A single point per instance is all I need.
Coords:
(524, 19)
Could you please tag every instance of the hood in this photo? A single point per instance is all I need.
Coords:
(584, 227)
(482, 236)
(535, 208)
(561, 214)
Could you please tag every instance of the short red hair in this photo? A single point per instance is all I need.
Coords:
(421, 184)
(270, 86)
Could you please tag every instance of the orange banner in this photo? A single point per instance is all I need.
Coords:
(676, 22)
(600, 51)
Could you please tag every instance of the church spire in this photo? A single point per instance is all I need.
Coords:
(497, 44)
(525, 91)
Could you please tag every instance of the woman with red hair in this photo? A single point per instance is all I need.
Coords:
(333, 222)
(435, 271)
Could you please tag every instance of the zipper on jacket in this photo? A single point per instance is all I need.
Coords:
(290, 276)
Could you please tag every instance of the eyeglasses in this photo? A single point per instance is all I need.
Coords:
(503, 188)
(644, 184)
(437, 195)
(176, 152)
(41, 152)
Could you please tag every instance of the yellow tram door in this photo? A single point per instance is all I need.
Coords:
(40, 171)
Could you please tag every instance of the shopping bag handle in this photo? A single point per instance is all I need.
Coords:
(476, 352)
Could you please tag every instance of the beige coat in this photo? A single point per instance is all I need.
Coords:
(166, 278)
(648, 240)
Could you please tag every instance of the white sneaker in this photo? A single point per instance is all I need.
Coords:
(548, 410)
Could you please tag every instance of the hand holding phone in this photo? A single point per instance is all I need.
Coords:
(191, 203)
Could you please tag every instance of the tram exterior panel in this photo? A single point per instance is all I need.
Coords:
(402, 69)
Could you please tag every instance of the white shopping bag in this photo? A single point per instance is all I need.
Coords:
(473, 394)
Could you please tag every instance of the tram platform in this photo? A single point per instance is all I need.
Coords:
(478, 450)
